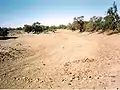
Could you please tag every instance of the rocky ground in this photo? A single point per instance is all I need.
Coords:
(61, 60)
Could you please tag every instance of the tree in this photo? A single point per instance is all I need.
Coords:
(112, 18)
(37, 28)
(3, 32)
(79, 23)
(69, 26)
(28, 28)
(19, 28)
(62, 26)
(95, 23)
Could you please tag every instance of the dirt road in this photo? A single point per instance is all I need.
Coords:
(64, 59)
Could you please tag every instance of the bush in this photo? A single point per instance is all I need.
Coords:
(3, 32)
(37, 28)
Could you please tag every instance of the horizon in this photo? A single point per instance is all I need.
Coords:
(54, 12)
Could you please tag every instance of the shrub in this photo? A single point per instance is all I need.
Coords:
(3, 32)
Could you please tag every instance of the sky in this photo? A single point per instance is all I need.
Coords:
(16, 13)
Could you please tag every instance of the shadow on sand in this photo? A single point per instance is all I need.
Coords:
(6, 38)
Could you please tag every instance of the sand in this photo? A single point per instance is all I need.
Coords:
(61, 60)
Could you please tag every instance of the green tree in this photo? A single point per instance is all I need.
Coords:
(62, 26)
(79, 23)
(3, 32)
(94, 24)
(28, 28)
(37, 28)
(112, 18)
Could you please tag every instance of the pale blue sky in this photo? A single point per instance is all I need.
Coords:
(15, 13)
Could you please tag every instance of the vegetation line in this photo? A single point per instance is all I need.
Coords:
(110, 22)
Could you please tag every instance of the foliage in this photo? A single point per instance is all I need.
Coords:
(62, 26)
(28, 28)
(37, 28)
(78, 23)
(3, 32)
(111, 21)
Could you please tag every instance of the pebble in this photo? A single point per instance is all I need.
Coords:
(63, 80)
(37, 80)
(23, 77)
(17, 78)
(90, 77)
(42, 81)
(69, 84)
(76, 78)
(84, 78)
(71, 80)
(4, 75)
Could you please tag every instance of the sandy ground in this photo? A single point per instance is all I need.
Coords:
(61, 60)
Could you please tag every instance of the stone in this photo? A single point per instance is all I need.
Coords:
(69, 84)
(90, 77)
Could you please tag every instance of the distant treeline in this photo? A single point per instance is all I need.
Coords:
(111, 21)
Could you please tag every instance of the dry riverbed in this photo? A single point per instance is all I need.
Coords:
(61, 60)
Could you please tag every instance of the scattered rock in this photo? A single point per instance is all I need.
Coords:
(90, 77)
(84, 78)
(77, 61)
(67, 64)
(71, 80)
(4, 75)
(16, 78)
(113, 76)
(23, 77)
(69, 84)
(51, 80)
(88, 60)
(37, 80)
(42, 81)
(63, 80)
(76, 79)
